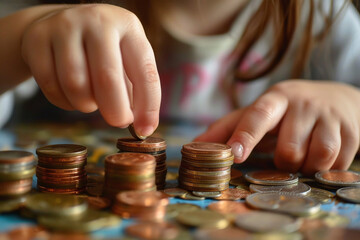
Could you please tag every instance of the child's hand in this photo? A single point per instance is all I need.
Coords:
(88, 57)
(316, 123)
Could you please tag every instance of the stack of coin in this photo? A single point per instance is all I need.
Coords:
(16, 171)
(129, 171)
(152, 146)
(205, 167)
(149, 206)
(61, 168)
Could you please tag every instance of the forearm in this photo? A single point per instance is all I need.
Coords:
(13, 69)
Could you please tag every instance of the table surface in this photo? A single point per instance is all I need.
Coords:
(102, 142)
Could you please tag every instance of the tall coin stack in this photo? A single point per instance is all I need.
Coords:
(16, 172)
(153, 146)
(61, 168)
(129, 171)
(205, 167)
(150, 206)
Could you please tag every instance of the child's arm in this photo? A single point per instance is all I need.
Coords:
(84, 57)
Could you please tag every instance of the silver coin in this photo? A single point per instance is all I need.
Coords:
(259, 221)
(271, 177)
(338, 178)
(351, 194)
(17, 167)
(291, 203)
(321, 195)
(207, 194)
(299, 188)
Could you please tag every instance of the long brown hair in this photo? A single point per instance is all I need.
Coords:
(284, 15)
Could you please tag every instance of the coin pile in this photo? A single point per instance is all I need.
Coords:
(129, 171)
(16, 172)
(205, 167)
(149, 206)
(61, 168)
(153, 146)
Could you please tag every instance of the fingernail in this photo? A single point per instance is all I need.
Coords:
(237, 150)
(145, 132)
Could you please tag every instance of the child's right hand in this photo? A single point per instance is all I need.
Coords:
(88, 57)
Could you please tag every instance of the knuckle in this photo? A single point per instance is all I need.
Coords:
(326, 151)
(108, 76)
(73, 83)
(264, 109)
(289, 153)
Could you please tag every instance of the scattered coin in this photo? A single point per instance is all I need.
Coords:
(235, 173)
(350, 194)
(207, 194)
(229, 207)
(24, 232)
(203, 218)
(299, 188)
(175, 192)
(257, 221)
(321, 195)
(189, 196)
(90, 220)
(294, 204)
(11, 204)
(222, 234)
(338, 178)
(173, 210)
(153, 230)
(233, 194)
(271, 177)
(56, 204)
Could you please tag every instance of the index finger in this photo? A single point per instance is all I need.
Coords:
(140, 67)
(257, 119)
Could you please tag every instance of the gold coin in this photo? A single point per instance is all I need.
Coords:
(175, 192)
(56, 204)
(189, 196)
(321, 195)
(89, 221)
(29, 173)
(11, 204)
(173, 210)
(203, 218)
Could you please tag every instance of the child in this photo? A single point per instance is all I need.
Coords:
(248, 60)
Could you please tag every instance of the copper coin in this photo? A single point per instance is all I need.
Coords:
(98, 202)
(338, 178)
(207, 148)
(25, 232)
(229, 207)
(145, 199)
(235, 173)
(271, 177)
(150, 144)
(233, 194)
(12, 157)
(175, 192)
(134, 134)
(194, 168)
(222, 234)
(130, 159)
(61, 150)
(151, 230)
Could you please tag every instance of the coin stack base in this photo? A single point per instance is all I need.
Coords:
(129, 171)
(205, 167)
(152, 146)
(61, 169)
(16, 171)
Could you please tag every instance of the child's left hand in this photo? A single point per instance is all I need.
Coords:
(316, 123)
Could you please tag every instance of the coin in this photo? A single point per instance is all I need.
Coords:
(11, 204)
(13, 157)
(189, 196)
(150, 144)
(291, 203)
(235, 173)
(271, 177)
(134, 134)
(98, 202)
(299, 188)
(89, 221)
(207, 194)
(221, 234)
(175, 192)
(153, 230)
(207, 148)
(338, 178)
(203, 218)
(233, 194)
(321, 195)
(61, 150)
(350, 194)
(24, 232)
(55, 204)
(257, 221)
(229, 207)
(173, 210)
